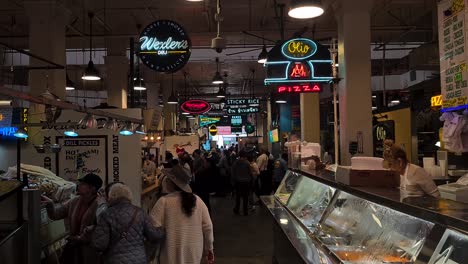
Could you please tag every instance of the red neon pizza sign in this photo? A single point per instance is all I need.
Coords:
(196, 106)
(304, 88)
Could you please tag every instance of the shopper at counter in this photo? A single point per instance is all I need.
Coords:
(184, 216)
(280, 168)
(122, 229)
(80, 216)
(414, 180)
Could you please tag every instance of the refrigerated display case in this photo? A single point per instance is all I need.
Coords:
(350, 225)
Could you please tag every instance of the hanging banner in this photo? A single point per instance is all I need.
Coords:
(164, 46)
(452, 16)
(82, 155)
(243, 102)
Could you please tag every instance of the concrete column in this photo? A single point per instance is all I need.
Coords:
(116, 63)
(47, 21)
(355, 95)
(310, 117)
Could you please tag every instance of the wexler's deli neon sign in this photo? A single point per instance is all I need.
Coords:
(299, 60)
(164, 46)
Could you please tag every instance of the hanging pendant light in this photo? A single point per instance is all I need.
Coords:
(21, 133)
(304, 9)
(70, 86)
(111, 124)
(127, 130)
(221, 93)
(172, 100)
(70, 132)
(88, 121)
(217, 79)
(141, 130)
(139, 84)
(91, 73)
(263, 56)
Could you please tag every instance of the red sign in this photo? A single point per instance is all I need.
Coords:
(196, 106)
(299, 70)
(303, 88)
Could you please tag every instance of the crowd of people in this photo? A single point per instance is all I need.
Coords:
(105, 227)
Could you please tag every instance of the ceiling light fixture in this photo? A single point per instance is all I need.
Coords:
(221, 93)
(91, 73)
(70, 132)
(217, 79)
(5, 102)
(304, 9)
(172, 98)
(21, 133)
(263, 56)
(185, 113)
(70, 86)
(88, 121)
(395, 101)
(127, 130)
(281, 101)
(141, 130)
(139, 85)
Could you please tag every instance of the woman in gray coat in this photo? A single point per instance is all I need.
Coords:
(122, 229)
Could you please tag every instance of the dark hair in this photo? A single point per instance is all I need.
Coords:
(169, 155)
(188, 201)
(284, 156)
(243, 154)
(197, 151)
(398, 153)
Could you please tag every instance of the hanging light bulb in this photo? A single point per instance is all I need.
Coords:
(111, 124)
(172, 98)
(304, 9)
(263, 56)
(88, 121)
(217, 79)
(70, 86)
(91, 72)
(21, 133)
(127, 130)
(140, 129)
(151, 138)
(70, 132)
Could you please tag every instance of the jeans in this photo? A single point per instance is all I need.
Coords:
(242, 191)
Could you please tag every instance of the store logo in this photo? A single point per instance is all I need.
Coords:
(299, 71)
(195, 106)
(305, 88)
(436, 101)
(299, 49)
(213, 130)
(164, 46)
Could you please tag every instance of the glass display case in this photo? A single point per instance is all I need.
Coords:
(287, 186)
(452, 249)
(360, 231)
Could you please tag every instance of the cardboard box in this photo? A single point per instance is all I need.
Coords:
(367, 178)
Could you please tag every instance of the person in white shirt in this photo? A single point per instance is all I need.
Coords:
(414, 180)
(265, 177)
(149, 167)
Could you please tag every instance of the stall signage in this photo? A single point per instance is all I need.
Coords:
(299, 70)
(381, 132)
(242, 101)
(299, 49)
(436, 101)
(224, 130)
(206, 120)
(213, 130)
(236, 120)
(195, 106)
(453, 53)
(164, 46)
(242, 110)
(7, 131)
(300, 88)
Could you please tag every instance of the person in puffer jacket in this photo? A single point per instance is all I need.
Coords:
(122, 229)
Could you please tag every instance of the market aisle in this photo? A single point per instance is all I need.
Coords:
(241, 239)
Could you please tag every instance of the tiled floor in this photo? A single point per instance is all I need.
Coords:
(241, 239)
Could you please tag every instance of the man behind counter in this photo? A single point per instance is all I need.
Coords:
(414, 180)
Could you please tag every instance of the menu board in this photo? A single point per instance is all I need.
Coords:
(82, 155)
(452, 16)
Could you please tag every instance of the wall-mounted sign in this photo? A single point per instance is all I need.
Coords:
(164, 46)
(299, 60)
(299, 49)
(381, 132)
(300, 88)
(453, 53)
(213, 130)
(224, 130)
(206, 120)
(242, 110)
(195, 106)
(249, 128)
(436, 101)
(236, 120)
(242, 101)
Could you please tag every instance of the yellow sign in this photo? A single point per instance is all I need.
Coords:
(213, 130)
(436, 101)
(455, 102)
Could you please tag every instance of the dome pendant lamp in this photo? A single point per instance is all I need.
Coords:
(172, 100)
(217, 79)
(70, 86)
(263, 56)
(305, 9)
(91, 72)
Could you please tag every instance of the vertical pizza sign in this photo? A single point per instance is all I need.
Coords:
(82, 155)
(164, 46)
(453, 56)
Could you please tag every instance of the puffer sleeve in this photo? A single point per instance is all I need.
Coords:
(152, 233)
(101, 235)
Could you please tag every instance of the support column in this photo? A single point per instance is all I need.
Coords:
(310, 117)
(355, 95)
(47, 21)
(116, 63)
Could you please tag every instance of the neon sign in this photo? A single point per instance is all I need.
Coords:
(299, 49)
(164, 46)
(304, 88)
(241, 110)
(300, 70)
(7, 131)
(243, 101)
(436, 101)
(205, 120)
(195, 106)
